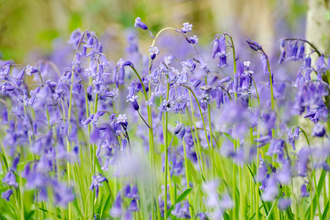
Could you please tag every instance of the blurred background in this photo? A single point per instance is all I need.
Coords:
(31, 29)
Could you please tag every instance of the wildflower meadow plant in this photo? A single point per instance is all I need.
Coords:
(216, 135)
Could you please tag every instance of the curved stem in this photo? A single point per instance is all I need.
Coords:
(306, 41)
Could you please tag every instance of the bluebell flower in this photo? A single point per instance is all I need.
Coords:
(226, 202)
(284, 203)
(276, 147)
(133, 101)
(301, 165)
(292, 51)
(303, 191)
(133, 206)
(182, 133)
(293, 137)
(62, 194)
(186, 27)
(282, 56)
(128, 216)
(153, 52)
(88, 120)
(30, 70)
(219, 49)
(271, 189)
(201, 216)
(6, 195)
(140, 24)
(284, 176)
(253, 45)
(192, 40)
(301, 52)
(321, 66)
(116, 209)
(10, 179)
(264, 64)
(318, 130)
(132, 43)
(4, 116)
(96, 183)
(75, 38)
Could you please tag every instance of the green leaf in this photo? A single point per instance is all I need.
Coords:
(5, 161)
(45, 210)
(76, 206)
(229, 137)
(305, 136)
(324, 215)
(106, 206)
(319, 189)
(28, 215)
(181, 197)
(2, 217)
(263, 203)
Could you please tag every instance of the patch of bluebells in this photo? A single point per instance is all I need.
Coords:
(95, 115)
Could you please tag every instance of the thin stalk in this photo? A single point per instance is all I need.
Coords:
(187, 170)
(166, 173)
(195, 137)
(210, 128)
(204, 126)
(271, 92)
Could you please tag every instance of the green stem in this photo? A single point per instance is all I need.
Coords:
(210, 128)
(195, 137)
(271, 92)
(152, 151)
(186, 165)
(204, 126)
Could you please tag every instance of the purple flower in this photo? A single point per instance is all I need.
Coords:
(219, 49)
(301, 52)
(192, 40)
(303, 156)
(181, 212)
(263, 140)
(96, 183)
(153, 52)
(116, 209)
(202, 216)
(253, 45)
(271, 189)
(133, 101)
(62, 194)
(178, 127)
(10, 179)
(29, 70)
(321, 66)
(6, 195)
(182, 133)
(133, 207)
(318, 130)
(284, 175)
(75, 38)
(140, 24)
(264, 64)
(283, 203)
(303, 191)
(282, 56)
(292, 51)
(186, 27)
(293, 137)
